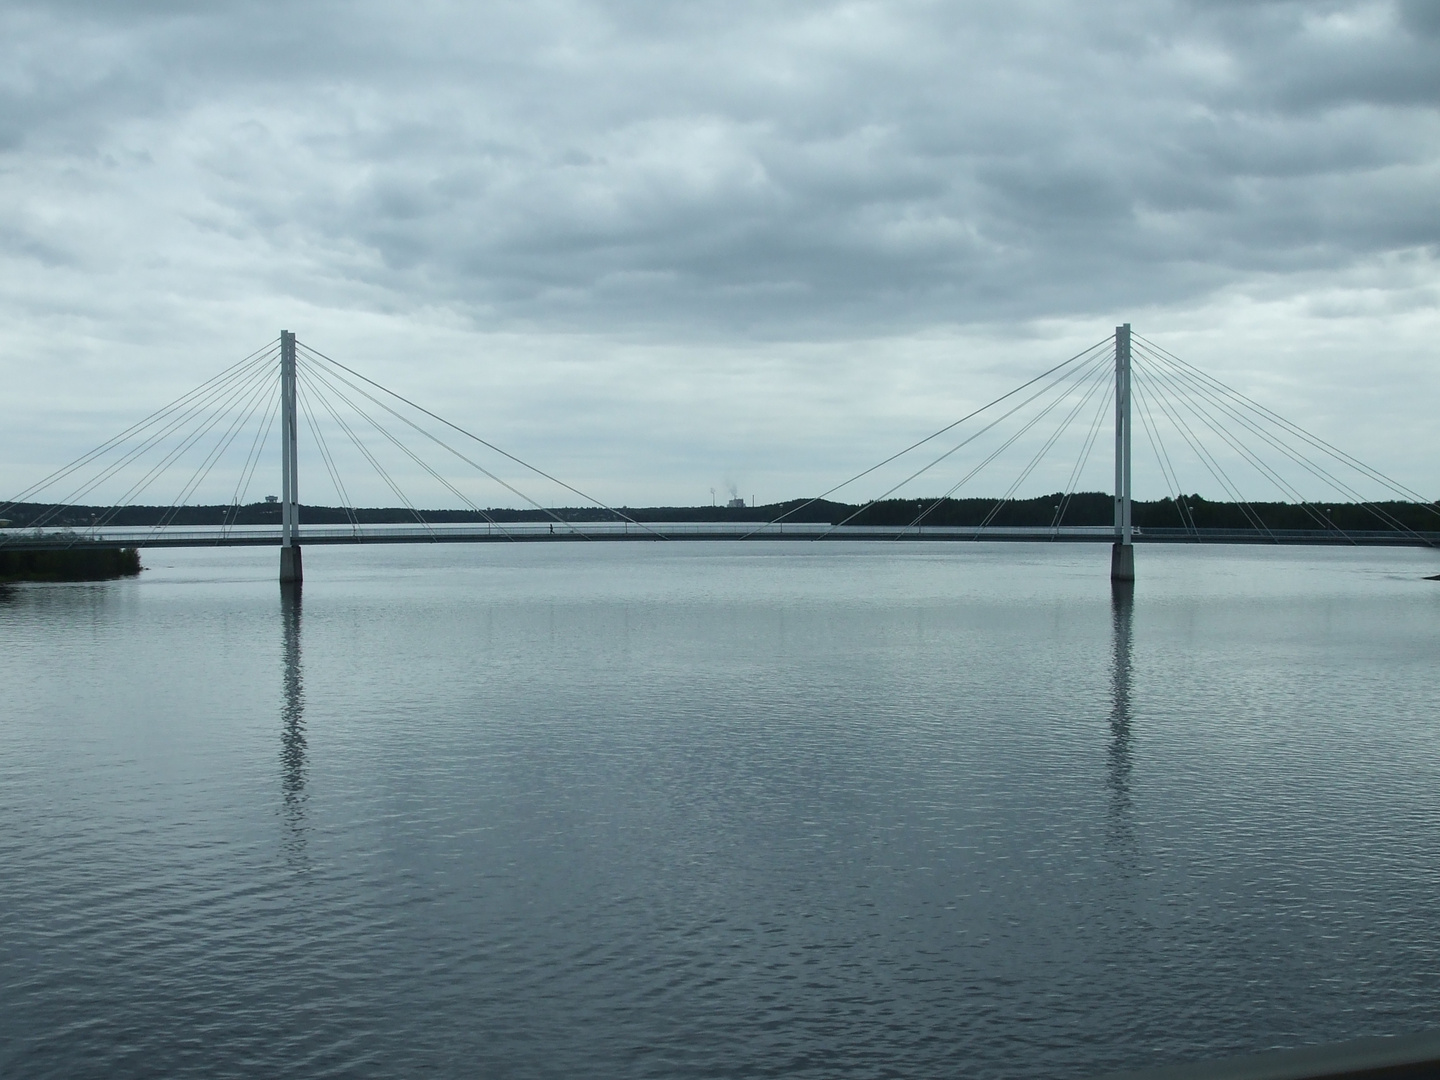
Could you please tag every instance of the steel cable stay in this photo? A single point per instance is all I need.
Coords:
(303, 397)
(222, 445)
(219, 395)
(1167, 464)
(138, 426)
(1107, 400)
(1096, 380)
(262, 392)
(1105, 343)
(306, 381)
(1211, 465)
(1216, 470)
(1181, 378)
(159, 470)
(1304, 461)
(1088, 382)
(314, 378)
(379, 469)
(1318, 443)
(469, 503)
(247, 471)
(192, 406)
(569, 525)
(1069, 376)
(316, 354)
(1076, 375)
(1172, 381)
(1292, 428)
(1235, 443)
(1162, 458)
(1300, 459)
(328, 376)
(216, 414)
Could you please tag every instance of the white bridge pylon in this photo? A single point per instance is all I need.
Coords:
(290, 566)
(1122, 554)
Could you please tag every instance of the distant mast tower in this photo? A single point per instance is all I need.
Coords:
(1122, 555)
(290, 570)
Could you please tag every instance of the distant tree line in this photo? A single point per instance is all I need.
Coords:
(1084, 508)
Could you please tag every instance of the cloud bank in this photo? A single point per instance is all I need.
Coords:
(718, 196)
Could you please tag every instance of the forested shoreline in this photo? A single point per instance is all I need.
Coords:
(1084, 508)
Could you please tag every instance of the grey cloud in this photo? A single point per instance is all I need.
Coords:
(799, 170)
(1421, 17)
(1300, 57)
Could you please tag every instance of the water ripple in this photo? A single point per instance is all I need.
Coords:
(717, 812)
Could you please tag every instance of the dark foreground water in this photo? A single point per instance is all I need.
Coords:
(716, 810)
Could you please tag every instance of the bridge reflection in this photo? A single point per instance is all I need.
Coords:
(293, 751)
(1118, 753)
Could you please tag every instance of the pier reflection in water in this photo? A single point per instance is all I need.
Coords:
(1118, 753)
(630, 811)
(292, 724)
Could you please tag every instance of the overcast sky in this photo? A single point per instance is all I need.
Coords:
(661, 248)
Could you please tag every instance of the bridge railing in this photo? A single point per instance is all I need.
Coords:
(245, 535)
(481, 532)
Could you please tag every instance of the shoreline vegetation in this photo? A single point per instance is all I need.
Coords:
(1083, 508)
(1091, 508)
(90, 564)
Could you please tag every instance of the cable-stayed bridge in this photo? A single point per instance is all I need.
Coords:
(219, 438)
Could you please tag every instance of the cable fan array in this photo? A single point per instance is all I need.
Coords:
(1069, 389)
(119, 472)
(1198, 429)
(204, 449)
(327, 381)
(1231, 436)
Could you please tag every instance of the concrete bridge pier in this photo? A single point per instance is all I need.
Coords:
(1122, 555)
(1122, 562)
(290, 565)
(290, 569)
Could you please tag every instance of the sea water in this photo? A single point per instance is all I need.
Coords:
(717, 810)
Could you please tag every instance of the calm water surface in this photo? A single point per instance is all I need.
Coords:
(716, 810)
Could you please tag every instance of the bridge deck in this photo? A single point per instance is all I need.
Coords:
(260, 536)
